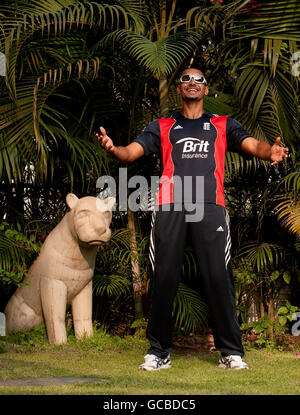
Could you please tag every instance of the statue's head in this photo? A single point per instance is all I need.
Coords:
(91, 218)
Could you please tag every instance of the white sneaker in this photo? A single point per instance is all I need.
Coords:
(153, 362)
(232, 362)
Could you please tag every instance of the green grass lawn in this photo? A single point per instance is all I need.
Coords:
(116, 360)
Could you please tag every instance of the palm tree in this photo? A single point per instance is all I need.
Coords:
(254, 42)
(47, 145)
(72, 64)
(45, 44)
(161, 47)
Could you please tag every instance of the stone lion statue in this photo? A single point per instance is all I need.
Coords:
(62, 273)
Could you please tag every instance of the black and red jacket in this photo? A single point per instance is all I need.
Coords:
(194, 147)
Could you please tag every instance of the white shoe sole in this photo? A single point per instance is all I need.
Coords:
(221, 365)
(151, 369)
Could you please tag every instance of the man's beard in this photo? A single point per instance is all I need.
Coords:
(189, 99)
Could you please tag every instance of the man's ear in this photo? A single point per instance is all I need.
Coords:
(178, 89)
(71, 200)
(206, 92)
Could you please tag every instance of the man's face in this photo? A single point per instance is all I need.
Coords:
(192, 91)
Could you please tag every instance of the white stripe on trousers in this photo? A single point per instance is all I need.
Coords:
(152, 246)
(228, 240)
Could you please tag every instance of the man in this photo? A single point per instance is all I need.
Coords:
(192, 145)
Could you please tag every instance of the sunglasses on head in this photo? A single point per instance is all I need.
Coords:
(199, 79)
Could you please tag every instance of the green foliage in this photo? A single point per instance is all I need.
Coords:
(16, 276)
(111, 285)
(271, 20)
(93, 343)
(288, 209)
(189, 310)
(140, 326)
(139, 323)
(272, 334)
(36, 337)
(16, 251)
(260, 289)
(286, 276)
(241, 311)
(261, 325)
(262, 256)
(190, 267)
(112, 276)
(160, 57)
(265, 333)
(286, 313)
(45, 52)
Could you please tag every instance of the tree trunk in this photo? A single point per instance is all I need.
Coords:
(271, 310)
(136, 274)
(262, 309)
(271, 316)
(163, 97)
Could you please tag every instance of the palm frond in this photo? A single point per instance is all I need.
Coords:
(10, 253)
(189, 310)
(251, 89)
(236, 165)
(27, 122)
(189, 267)
(120, 247)
(210, 19)
(292, 182)
(263, 255)
(112, 285)
(16, 252)
(10, 161)
(269, 19)
(268, 111)
(289, 214)
(265, 89)
(59, 16)
(160, 56)
(288, 210)
(52, 18)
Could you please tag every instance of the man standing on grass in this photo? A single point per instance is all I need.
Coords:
(192, 145)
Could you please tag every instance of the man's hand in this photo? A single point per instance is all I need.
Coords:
(264, 151)
(105, 141)
(278, 153)
(125, 154)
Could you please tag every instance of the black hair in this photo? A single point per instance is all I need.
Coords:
(193, 67)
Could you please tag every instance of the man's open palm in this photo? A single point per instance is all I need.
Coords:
(105, 141)
(278, 153)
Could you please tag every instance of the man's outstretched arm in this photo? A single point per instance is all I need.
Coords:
(125, 154)
(264, 151)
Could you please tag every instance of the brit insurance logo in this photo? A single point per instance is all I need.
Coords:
(194, 148)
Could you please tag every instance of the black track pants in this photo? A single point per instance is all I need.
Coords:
(211, 243)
